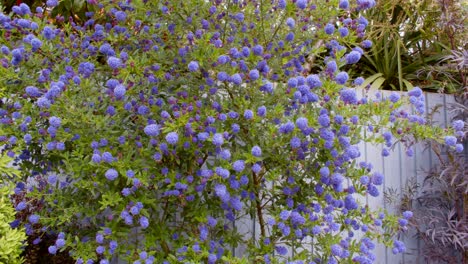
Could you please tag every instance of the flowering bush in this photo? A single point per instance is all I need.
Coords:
(146, 131)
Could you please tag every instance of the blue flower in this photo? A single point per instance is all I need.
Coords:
(324, 120)
(52, 250)
(398, 247)
(119, 91)
(86, 68)
(385, 152)
(281, 250)
(114, 62)
(120, 15)
(313, 81)
(344, 4)
(348, 96)
(302, 123)
(225, 154)
(55, 121)
(144, 223)
(343, 31)
(458, 125)
(100, 250)
(256, 151)
(331, 66)
(290, 22)
(248, 114)
(21, 206)
(286, 128)
(254, 74)
(152, 130)
(261, 111)
(257, 50)
(222, 192)
(224, 173)
(238, 165)
(292, 82)
(297, 218)
(450, 140)
(324, 171)
(377, 178)
(394, 97)
(99, 238)
(295, 142)
(282, 4)
(35, 44)
(353, 57)
(459, 148)
(358, 81)
(111, 174)
(218, 139)
(48, 33)
(416, 92)
(52, 179)
(289, 37)
(236, 79)
(407, 214)
(60, 242)
(106, 49)
(222, 76)
(43, 102)
(302, 4)
(172, 138)
(193, 66)
(336, 250)
(350, 203)
(34, 219)
(366, 44)
(329, 29)
(52, 3)
(32, 91)
(342, 77)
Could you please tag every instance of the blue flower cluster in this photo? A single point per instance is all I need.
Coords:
(179, 118)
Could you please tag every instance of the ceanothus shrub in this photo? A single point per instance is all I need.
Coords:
(147, 130)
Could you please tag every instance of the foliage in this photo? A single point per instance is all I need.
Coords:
(412, 41)
(11, 239)
(153, 128)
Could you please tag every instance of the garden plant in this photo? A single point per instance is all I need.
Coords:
(147, 131)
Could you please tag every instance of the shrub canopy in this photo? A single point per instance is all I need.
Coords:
(153, 128)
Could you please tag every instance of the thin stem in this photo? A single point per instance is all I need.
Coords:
(258, 205)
